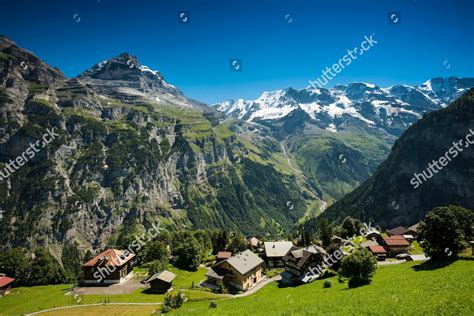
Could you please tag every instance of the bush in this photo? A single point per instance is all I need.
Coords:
(213, 304)
(173, 302)
(327, 284)
(359, 267)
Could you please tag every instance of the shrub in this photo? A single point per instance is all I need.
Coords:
(172, 302)
(358, 267)
(213, 304)
(327, 284)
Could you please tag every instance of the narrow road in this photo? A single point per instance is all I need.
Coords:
(283, 147)
(258, 287)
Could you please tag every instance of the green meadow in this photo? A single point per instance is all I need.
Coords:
(411, 288)
(405, 289)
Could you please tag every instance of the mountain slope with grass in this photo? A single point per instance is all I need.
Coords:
(130, 150)
(391, 197)
(337, 137)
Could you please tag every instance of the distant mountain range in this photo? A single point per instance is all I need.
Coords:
(392, 109)
(425, 169)
(337, 137)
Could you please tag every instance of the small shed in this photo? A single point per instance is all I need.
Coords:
(5, 284)
(379, 252)
(161, 282)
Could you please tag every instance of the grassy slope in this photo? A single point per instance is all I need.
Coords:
(396, 290)
(28, 299)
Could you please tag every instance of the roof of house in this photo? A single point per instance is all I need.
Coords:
(400, 230)
(371, 231)
(368, 243)
(244, 261)
(377, 249)
(303, 254)
(254, 241)
(413, 228)
(4, 281)
(110, 257)
(277, 248)
(216, 273)
(224, 254)
(165, 276)
(396, 241)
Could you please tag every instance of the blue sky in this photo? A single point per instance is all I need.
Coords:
(434, 38)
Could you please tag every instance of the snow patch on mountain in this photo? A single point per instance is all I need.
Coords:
(394, 107)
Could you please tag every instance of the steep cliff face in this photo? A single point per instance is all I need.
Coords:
(126, 149)
(430, 165)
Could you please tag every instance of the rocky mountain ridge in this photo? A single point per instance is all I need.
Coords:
(131, 150)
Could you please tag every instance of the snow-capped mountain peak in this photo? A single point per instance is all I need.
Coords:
(124, 78)
(393, 108)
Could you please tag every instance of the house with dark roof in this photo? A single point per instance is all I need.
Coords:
(223, 255)
(161, 282)
(373, 234)
(5, 284)
(378, 251)
(413, 230)
(298, 262)
(368, 243)
(109, 267)
(395, 245)
(400, 230)
(241, 271)
(275, 251)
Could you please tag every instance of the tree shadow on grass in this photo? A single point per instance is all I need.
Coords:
(434, 264)
(356, 283)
